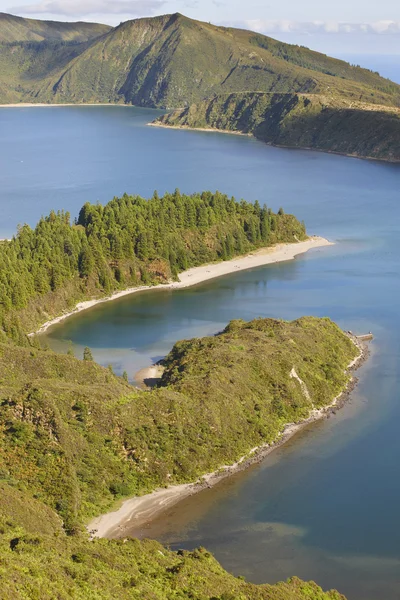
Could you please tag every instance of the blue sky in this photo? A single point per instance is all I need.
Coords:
(342, 27)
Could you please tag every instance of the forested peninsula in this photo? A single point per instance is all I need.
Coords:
(284, 94)
(128, 242)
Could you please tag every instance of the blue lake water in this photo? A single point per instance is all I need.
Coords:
(324, 506)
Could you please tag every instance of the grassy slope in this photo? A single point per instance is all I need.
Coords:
(77, 438)
(32, 51)
(18, 29)
(44, 567)
(296, 120)
(174, 61)
(73, 438)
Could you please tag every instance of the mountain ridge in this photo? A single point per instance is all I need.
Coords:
(170, 61)
(20, 29)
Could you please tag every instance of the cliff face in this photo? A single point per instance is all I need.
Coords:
(300, 120)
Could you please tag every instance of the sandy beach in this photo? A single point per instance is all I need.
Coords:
(196, 275)
(149, 376)
(44, 105)
(135, 512)
(204, 129)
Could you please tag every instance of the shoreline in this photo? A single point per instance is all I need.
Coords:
(44, 104)
(394, 161)
(196, 275)
(134, 513)
(204, 129)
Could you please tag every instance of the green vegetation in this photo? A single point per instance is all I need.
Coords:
(33, 51)
(42, 567)
(87, 354)
(300, 120)
(77, 437)
(170, 61)
(128, 242)
(18, 29)
(231, 79)
(74, 438)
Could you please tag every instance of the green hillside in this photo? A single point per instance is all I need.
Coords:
(77, 437)
(74, 438)
(18, 29)
(128, 242)
(40, 567)
(300, 121)
(284, 94)
(32, 51)
(173, 61)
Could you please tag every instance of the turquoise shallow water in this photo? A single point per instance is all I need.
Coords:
(325, 506)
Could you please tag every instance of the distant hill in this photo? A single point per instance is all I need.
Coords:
(299, 120)
(230, 78)
(18, 29)
(167, 62)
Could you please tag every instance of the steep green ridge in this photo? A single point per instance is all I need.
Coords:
(300, 120)
(18, 29)
(77, 437)
(172, 61)
(73, 438)
(33, 51)
(128, 242)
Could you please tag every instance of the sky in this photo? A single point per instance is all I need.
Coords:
(340, 28)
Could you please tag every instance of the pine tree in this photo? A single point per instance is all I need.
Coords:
(87, 354)
(114, 246)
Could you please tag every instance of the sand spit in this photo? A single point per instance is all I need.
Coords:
(135, 512)
(265, 256)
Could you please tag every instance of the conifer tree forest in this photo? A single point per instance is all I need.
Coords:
(130, 241)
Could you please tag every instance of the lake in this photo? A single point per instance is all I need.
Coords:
(324, 506)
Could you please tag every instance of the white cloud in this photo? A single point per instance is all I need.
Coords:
(313, 27)
(82, 8)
